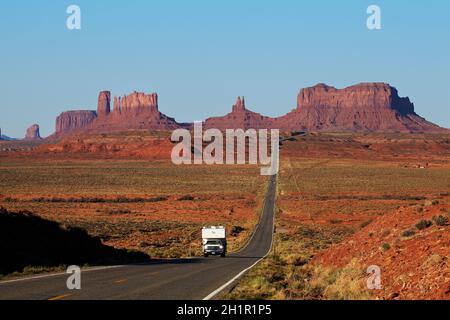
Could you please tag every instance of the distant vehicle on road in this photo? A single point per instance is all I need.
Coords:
(214, 241)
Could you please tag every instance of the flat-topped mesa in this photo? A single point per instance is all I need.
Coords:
(136, 111)
(104, 103)
(364, 96)
(33, 133)
(70, 121)
(136, 102)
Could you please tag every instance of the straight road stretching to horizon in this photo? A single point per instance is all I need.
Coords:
(190, 279)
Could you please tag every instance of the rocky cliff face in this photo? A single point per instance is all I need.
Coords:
(104, 104)
(371, 107)
(364, 107)
(73, 121)
(135, 111)
(366, 96)
(137, 102)
(33, 133)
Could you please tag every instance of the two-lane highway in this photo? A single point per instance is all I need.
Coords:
(192, 279)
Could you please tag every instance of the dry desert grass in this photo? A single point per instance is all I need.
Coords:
(348, 200)
(151, 206)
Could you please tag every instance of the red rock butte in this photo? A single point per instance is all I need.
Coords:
(33, 133)
(135, 111)
(366, 107)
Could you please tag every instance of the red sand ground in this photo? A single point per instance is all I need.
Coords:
(414, 267)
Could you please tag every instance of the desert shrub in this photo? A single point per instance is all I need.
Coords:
(129, 200)
(440, 220)
(157, 199)
(349, 284)
(97, 200)
(408, 233)
(186, 198)
(419, 209)
(236, 230)
(386, 246)
(366, 223)
(298, 260)
(423, 224)
(297, 133)
(118, 212)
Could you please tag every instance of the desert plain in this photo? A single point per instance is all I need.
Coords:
(346, 201)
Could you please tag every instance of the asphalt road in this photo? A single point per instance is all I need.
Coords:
(190, 279)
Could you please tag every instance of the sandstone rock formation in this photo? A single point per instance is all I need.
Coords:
(104, 104)
(33, 133)
(135, 111)
(366, 107)
(73, 121)
(136, 102)
(239, 118)
(363, 107)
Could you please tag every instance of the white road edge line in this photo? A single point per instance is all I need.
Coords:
(57, 274)
(240, 274)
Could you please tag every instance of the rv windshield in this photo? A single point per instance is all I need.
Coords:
(216, 242)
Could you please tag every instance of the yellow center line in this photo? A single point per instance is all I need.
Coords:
(121, 281)
(60, 297)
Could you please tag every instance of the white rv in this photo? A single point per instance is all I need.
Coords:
(214, 241)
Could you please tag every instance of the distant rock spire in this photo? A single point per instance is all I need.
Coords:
(240, 104)
(104, 103)
(33, 133)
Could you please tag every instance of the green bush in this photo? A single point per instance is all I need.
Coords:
(424, 224)
(440, 220)
(408, 233)
(186, 198)
(386, 246)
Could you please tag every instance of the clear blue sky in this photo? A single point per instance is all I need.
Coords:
(200, 54)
